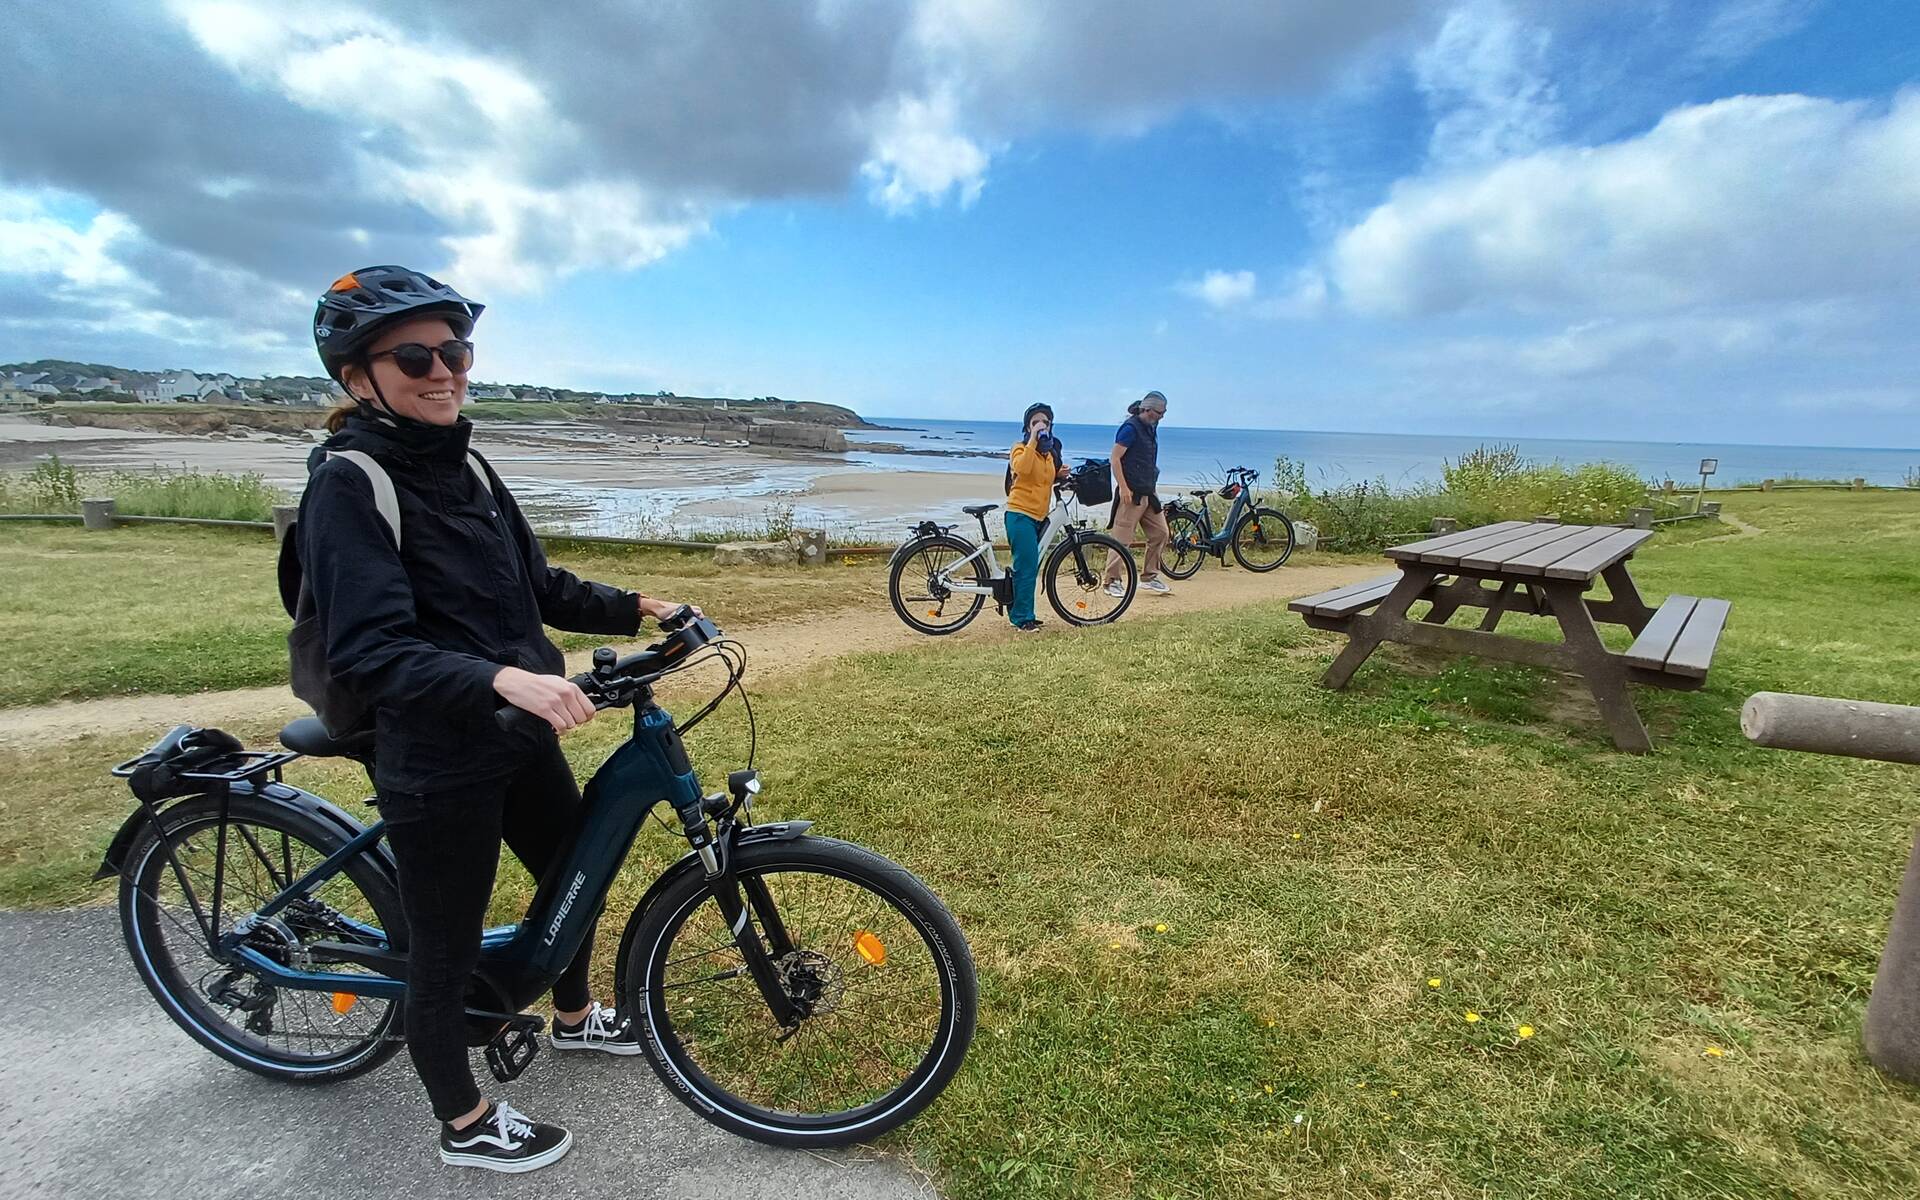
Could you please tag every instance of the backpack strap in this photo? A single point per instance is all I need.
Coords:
(486, 482)
(384, 499)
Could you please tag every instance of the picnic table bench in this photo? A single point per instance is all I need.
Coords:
(1539, 568)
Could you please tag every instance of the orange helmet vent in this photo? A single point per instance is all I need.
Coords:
(346, 282)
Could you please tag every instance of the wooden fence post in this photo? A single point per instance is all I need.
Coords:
(283, 518)
(97, 513)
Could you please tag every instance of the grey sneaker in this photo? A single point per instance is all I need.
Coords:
(1156, 585)
(1115, 589)
(504, 1140)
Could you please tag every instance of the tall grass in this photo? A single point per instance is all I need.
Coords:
(57, 487)
(1493, 483)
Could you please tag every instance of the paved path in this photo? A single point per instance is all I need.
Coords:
(105, 1098)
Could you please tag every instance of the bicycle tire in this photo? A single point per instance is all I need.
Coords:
(1186, 549)
(181, 993)
(1074, 610)
(921, 556)
(1263, 521)
(650, 943)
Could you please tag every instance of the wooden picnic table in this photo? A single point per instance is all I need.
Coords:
(1539, 568)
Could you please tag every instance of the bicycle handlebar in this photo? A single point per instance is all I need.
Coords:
(614, 681)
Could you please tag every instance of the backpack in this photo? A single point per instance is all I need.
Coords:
(340, 709)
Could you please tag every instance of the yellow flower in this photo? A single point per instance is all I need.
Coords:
(1395, 1093)
(1296, 835)
(1525, 1031)
(1269, 1089)
(1269, 1022)
(1472, 1016)
(1435, 982)
(1159, 928)
(1113, 945)
(1714, 1052)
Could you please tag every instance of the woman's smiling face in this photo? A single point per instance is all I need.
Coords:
(435, 398)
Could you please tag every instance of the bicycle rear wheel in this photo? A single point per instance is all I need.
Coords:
(877, 964)
(1076, 579)
(282, 1033)
(1262, 539)
(918, 584)
(1186, 546)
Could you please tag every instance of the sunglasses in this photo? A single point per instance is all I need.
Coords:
(416, 361)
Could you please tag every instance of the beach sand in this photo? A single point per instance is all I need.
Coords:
(576, 477)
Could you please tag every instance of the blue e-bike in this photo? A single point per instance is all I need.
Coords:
(794, 989)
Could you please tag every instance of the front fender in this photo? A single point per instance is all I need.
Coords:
(114, 861)
(775, 831)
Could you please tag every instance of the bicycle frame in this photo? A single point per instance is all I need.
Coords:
(519, 962)
(1216, 540)
(1059, 521)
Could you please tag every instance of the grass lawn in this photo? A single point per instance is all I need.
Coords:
(1238, 935)
(180, 609)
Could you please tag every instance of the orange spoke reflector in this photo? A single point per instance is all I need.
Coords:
(1079, 603)
(933, 612)
(870, 947)
(342, 1001)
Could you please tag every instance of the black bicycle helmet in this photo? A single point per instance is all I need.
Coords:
(1026, 418)
(362, 303)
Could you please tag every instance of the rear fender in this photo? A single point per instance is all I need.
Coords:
(318, 807)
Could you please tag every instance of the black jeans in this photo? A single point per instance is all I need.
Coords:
(447, 845)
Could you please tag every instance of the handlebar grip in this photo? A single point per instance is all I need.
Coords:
(518, 720)
(676, 619)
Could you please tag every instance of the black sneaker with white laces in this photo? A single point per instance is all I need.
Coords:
(601, 1029)
(504, 1140)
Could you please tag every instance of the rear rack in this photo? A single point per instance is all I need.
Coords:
(232, 768)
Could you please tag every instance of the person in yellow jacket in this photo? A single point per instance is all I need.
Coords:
(1033, 467)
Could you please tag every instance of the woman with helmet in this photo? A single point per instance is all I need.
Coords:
(1033, 466)
(435, 631)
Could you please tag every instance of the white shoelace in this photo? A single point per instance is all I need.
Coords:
(597, 1024)
(511, 1123)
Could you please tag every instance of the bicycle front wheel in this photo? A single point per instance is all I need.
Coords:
(1262, 539)
(920, 584)
(872, 959)
(1076, 574)
(283, 1033)
(1186, 546)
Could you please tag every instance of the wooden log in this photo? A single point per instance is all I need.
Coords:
(1854, 728)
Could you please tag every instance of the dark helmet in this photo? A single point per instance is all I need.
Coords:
(1026, 418)
(362, 303)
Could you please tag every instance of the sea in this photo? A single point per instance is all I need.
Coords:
(1198, 454)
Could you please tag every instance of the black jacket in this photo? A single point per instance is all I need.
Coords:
(1141, 463)
(421, 631)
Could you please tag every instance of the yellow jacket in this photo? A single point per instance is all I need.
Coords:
(1033, 472)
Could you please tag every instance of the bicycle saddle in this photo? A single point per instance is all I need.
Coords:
(1202, 492)
(978, 510)
(308, 736)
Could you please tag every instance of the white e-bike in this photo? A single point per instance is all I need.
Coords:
(939, 580)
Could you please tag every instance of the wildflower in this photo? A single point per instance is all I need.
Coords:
(1394, 1092)
(1296, 835)
(1113, 945)
(1714, 1052)
(1159, 928)
(1472, 1016)
(1525, 1031)
(1434, 982)
(1269, 1022)
(1268, 1089)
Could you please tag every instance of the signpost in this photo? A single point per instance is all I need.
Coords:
(1707, 467)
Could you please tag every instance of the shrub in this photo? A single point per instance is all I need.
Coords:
(1492, 483)
(56, 487)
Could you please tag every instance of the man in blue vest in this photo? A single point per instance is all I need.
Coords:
(1136, 506)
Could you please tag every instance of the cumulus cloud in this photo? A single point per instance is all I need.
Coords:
(1221, 290)
(1752, 197)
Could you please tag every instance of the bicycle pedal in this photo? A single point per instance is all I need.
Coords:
(513, 1049)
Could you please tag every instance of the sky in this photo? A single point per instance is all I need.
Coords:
(1664, 220)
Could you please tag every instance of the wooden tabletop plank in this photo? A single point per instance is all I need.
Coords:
(1536, 560)
(1540, 535)
(1655, 642)
(1589, 561)
(1490, 542)
(1693, 649)
(1416, 549)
